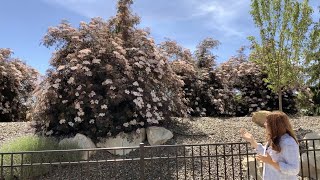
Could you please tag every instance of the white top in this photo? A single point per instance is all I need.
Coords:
(288, 159)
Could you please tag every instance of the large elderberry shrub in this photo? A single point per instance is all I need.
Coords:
(204, 90)
(106, 77)
(17, 81)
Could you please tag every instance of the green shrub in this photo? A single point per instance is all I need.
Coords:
(34, 143)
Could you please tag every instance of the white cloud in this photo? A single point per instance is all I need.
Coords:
(220, 15)
(215, 8)
(186, 21)
(224, 15)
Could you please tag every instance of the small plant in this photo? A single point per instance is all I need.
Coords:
(30, 144)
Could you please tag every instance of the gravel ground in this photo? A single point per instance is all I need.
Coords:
(11, 130)
(217, 130)
(186, 131)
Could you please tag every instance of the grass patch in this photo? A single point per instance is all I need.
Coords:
(33, 143)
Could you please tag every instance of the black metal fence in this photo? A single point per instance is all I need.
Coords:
(201, 161)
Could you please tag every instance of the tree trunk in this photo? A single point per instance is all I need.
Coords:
(280, 99)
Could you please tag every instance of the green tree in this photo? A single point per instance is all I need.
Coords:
(284, 27)
(313, 65)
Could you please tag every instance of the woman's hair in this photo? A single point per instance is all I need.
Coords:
(277, 125)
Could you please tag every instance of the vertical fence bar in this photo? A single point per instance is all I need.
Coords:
(80, 165)
(255, 166)
(240, 161)
(11, 168)
(201, 171)
(21, 169)
(69, 163)
(185, 162)
(224, 161)
(161, 161)
(232, 163)
(177, 173)
(168, 162)
(98, 168)
(59, 166)
(150, 155)
(88, 165)
(301, 167)
(248, 164)
(209, 161)
(192, 158)
(114, 159)
(142, 175)
(31, 162)
(315, 159)
(42, 157)
(307, 148)
(50, 162)
(217, 162)
(150, 163)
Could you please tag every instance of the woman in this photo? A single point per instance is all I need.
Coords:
(280, 155)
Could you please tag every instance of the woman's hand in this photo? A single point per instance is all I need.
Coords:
(248, 137)
(268, 160)
(245, 135)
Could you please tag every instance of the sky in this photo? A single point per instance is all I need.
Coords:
(25, 22)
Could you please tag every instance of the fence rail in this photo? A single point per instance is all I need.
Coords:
(199, 161)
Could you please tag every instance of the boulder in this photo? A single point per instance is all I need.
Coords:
(310, 142)
(311, 161)
(83, 142)
(305, 168)
(158, 135)
(123, 140)
(259, 117)
(252, 167)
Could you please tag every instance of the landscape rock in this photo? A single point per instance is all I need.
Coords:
(158, 135)
(305, 168)
(123, 140)
(313, 135)
(83, 142)
(259, 117)
(255, 168)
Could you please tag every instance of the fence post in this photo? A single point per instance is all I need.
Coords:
(142, 177)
